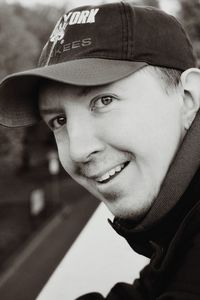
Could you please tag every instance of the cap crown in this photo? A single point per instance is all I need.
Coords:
(119, 31)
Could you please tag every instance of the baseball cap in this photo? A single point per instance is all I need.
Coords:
(96, 45)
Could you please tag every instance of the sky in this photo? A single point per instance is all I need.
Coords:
(170, 6)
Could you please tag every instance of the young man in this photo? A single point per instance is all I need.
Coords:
(119, 87)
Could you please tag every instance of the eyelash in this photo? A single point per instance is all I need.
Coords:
(95, 101)
(52, 122)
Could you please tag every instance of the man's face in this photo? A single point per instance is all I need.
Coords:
(116, 140)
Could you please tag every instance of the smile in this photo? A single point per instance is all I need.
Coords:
(111, 173)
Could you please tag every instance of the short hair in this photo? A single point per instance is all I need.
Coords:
(169, 77)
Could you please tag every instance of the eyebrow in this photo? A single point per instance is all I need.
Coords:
(85, 90)
(50, 111)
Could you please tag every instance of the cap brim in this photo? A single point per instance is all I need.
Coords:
(19, 92)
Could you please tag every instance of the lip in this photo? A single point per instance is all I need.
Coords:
(107, 182)
(100, 174)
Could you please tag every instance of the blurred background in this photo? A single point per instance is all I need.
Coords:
(34, 190)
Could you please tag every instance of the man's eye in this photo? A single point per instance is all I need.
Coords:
(102, 102)
(57, 122)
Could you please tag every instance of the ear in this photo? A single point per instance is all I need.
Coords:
(190, 80)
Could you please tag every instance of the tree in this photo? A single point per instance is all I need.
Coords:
(18, 45)
(23, 32)
(189, 16)
(154, 3)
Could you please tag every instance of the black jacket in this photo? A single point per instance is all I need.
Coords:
(169, 234)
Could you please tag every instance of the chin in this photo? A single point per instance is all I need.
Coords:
(129, 214)
(132, 215)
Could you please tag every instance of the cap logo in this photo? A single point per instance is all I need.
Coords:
(72, 18)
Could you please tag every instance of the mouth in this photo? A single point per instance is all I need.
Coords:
(111, 174)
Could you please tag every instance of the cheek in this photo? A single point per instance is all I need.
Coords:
(63, 152)
(124, 129)
(152, 135)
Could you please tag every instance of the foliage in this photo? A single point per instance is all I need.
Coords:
(23, 32)
(154, 3)
(189, 16)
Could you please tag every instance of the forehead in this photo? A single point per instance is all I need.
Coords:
(52, 91)
(50, 87)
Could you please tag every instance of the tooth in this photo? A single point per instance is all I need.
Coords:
(112, 172)
(106, 176)
(118, 168)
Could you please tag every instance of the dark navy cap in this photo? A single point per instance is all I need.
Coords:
(96, 45)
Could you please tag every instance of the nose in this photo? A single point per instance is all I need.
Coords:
(84, 141)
